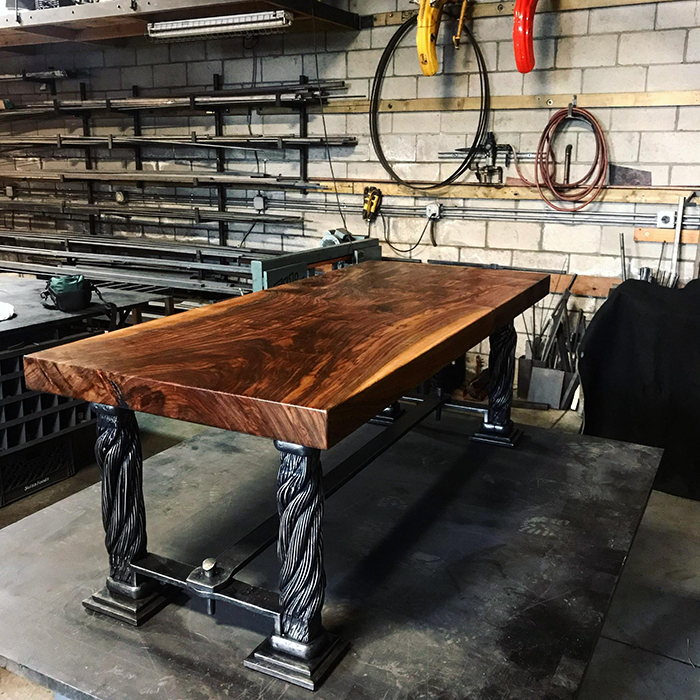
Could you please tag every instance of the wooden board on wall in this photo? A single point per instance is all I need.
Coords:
(664, 235)
(636, 195)
(668, 98)
(505, 9)
(584, 285)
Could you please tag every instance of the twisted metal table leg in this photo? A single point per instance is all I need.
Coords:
(301, 652)
(300, 542)
(119, 458)
(498, 427)
(118, 455)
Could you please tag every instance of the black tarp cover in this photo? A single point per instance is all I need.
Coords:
(640, 371)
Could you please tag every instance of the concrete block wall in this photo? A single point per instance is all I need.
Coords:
(649, 47)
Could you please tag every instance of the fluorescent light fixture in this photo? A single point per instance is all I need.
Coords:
(269, 22)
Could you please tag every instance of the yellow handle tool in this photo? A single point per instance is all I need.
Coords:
(457, 38)
(429, 15)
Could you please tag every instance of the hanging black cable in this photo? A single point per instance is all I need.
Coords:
(429, 223)
(375, 100)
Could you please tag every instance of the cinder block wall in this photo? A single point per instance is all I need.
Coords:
(649, 47)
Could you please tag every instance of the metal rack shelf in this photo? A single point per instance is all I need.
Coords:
(69, 241)
(191, 179)
(29, 419)
(124, 261)
(101, 274)
(294, 97)
(192, 140)
(147, 214)
(287, 96)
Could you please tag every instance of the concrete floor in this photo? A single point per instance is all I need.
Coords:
(157, 434)
(650, 646)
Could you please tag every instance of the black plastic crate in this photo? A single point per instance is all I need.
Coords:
(35, 467)
(36, 429)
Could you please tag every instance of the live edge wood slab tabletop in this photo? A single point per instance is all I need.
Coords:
(306, 362)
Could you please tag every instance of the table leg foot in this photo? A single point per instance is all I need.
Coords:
(497, 438)
(130, 610)
(301, 664)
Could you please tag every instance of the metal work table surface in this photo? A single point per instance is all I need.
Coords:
(457, 570)
(24, 293)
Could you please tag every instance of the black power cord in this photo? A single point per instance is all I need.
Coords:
(375, 99)
(411, 248)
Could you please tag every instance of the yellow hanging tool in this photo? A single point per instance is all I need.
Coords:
(429, 16)
(371, 203)
(457, 38)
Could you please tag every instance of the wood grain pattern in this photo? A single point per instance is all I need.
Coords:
(307, 362)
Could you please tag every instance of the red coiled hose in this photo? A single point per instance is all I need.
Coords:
(581, 192)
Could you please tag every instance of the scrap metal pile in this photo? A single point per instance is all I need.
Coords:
(548, 373)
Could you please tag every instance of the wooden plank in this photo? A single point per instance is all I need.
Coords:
(585, 285)
(307, 362)
(664, 235)
(669, 98)
(505, 9)
(475, 190)
(54, 32)
(10, 39)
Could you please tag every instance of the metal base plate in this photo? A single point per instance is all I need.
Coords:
(133, 612)
(494, 439)
(433, 493)
(308, 673)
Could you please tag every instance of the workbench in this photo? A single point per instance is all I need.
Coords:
(306, 364)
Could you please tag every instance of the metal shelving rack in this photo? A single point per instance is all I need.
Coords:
(210, 272)
(294, 98)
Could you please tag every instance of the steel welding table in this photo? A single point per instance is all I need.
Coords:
(306, 364)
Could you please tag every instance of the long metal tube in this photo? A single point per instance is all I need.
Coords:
(236, 143)
(272, 95)
(538, 215)
(641, 219)
(158, 214)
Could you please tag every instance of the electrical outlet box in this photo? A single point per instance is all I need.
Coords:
(259, 203)
(666, 218)
(433, 211)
